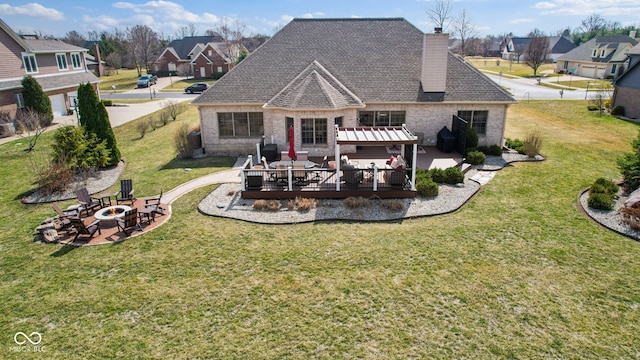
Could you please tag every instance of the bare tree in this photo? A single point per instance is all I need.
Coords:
(464, 29)
(599, 99)
(114, 60)
(143, 46)
(518, 50)
(211, 32)
(74, 38)
(30, 125)
(593, 23)
(440, 13)
(184, 70)
(537, 50)
(188, 30)
(232, 33)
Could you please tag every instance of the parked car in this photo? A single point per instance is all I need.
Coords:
(147, 80)
(196, 88)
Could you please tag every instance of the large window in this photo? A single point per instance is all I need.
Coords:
(240, 124)
(382, 118)
(61, 59)
(314, 131)
(30, 64)
(76, 62)
(477, 120)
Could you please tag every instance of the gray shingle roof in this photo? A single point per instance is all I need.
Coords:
(49, 83)
(48, 45)
(378, 60)
(314, 88)
(584, 52)
(185, 45)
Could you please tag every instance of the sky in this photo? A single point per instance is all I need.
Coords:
(490, 17)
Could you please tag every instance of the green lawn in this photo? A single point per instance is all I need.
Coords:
(518, 272)
(124, 80)
(506, 67)
(182, 84)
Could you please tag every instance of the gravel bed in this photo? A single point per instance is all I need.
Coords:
(95, 183)
(227, 202)
(610, 219)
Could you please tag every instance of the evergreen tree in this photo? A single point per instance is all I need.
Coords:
(36, 100)
(95, 119)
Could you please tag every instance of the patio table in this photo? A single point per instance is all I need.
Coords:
(307, 164)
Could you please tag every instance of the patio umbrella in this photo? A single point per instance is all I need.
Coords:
(292, 150)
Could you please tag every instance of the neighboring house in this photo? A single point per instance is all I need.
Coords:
(312, 77)
(200, 56)
(57, 66)
(513, 48)
(600, 58)
(627, 86)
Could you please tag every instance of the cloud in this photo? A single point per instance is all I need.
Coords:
(544, 5)
(32, 9)
(312, 15)
(520, 21)
(168, 10)
(586, 7)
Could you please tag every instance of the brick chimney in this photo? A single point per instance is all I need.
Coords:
(96, 53)
(435, 50)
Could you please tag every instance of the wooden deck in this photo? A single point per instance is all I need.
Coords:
(321, 182)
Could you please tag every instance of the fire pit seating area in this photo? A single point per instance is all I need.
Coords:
(102, 219)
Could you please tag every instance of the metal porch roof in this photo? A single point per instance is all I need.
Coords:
(375, 136)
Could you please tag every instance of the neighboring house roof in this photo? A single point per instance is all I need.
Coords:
(630, 78)
(50, 83)
(380, 61)
(560, 45)
(520, 41)
(183, 47)
(616, 43)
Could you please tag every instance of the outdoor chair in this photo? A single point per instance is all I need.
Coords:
(86, 231)
(87, 202)
(151, 208)
(317, 175)
(351, 174)
(299, 174)
(282, 174)
(272, 175)
(64, 215)
(129, 222)
(126, 192)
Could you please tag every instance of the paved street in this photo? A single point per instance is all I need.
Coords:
(528, 89)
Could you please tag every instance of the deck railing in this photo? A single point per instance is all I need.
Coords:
(370, 179)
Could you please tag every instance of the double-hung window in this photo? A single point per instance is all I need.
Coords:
(30, 63)
(477, 120)
(240, 124)
(61, 60)
(314, 131)
(76, 61)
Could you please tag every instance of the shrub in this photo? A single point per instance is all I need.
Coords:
(618, 110)
(164, 117)
(36, 99)
(393, 205)
(184, 147)
(5, 117)
(450, 175)
(174, 108)
(107, 102)
(472, 138)
(79, 149)
(476, 157)
(266, 205)
(631, 216)
(533, 143)
(494, 150)
(426, 188)
(600, 201)
(141, 127)
(302, 204)
(604, 186)
(516, 144)
(151, 122)
(356, 202)
(55, 178)
(592, 108)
